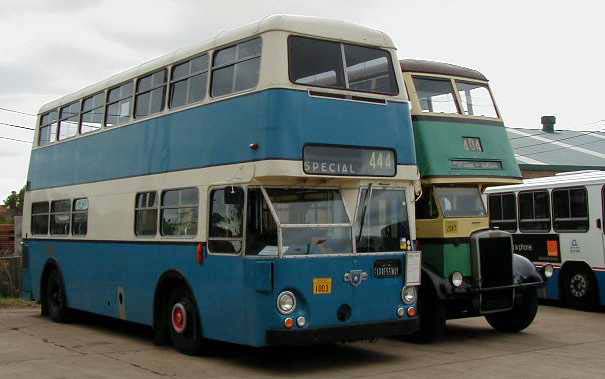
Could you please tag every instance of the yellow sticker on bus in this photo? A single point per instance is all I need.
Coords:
(322, 286)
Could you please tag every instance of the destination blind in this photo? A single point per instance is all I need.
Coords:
(348, 161)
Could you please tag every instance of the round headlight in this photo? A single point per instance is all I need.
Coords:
(548, 271)
(456, 279)
(286, 302)
(408, 295)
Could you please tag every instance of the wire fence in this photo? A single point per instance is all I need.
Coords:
(10, 259)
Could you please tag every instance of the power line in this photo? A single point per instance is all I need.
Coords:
(562, 148)
(16, 126)
(16, 111)
(14, 139)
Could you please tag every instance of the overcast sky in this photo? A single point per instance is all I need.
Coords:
(542, 57)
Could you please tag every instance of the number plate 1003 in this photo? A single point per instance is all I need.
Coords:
(387, 268)
(322, 286)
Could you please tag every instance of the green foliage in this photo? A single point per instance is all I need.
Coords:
(14, 203)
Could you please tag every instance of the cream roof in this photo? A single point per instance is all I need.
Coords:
(312, 26)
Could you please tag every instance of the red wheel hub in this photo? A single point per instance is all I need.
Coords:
(179, 318)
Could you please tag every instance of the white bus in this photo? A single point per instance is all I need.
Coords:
(557, 222)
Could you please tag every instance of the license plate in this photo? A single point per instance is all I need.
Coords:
(322, 286)
(387, 268)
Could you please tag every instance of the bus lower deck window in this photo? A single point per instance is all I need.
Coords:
(179, 212)
(226, 220)
(39, 220)
(534, 211)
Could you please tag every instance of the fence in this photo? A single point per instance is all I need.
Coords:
(10, 259)
(7, 240)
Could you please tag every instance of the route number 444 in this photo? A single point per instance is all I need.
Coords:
(379, 160)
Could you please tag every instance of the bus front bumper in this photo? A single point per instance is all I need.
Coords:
(347, 333)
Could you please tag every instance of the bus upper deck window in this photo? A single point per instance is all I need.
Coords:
(236, 68)
(476, 99)
(330, 64)
(435, 95)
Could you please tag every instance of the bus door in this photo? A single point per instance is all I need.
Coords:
(382, 232)
(222, 298)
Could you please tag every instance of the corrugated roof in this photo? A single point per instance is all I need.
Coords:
(564, 149)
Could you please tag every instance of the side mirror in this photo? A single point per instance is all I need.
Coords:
(234, 195)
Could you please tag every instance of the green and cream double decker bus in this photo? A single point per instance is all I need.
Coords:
(462, 147)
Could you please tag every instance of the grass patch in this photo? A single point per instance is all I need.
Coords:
(14, 302)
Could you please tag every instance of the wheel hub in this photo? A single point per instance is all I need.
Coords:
(578, 285)
(179, 318)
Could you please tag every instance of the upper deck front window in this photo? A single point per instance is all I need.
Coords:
(476, 99)
(448, 95)
(460, 201)
(436, 95)
(329, 64)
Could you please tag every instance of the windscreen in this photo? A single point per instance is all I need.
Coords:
(313, 221)
(476, 99)
(460, 201)
(382, 220)
(330, 64)
(435, 95)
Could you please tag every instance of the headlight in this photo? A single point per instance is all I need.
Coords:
(548, 271)
(286, 302)
(456, 279)
(408, 295)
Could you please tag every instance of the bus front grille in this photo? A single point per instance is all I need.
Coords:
(495, 262)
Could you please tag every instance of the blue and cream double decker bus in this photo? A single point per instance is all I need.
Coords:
(256, 189)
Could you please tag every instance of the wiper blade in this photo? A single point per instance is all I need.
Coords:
(366, 201)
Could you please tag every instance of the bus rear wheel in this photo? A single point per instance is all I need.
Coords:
(184, 322)
(579, 289)
(55, 303)
(518, 318)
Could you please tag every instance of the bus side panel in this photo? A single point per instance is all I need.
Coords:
(93, 273)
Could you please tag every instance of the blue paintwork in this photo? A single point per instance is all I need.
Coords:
(280, 121)
(553, 292)
(236, 296)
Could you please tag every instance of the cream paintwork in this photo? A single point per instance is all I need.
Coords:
(440, 227)
(111, 203)
(589, 246)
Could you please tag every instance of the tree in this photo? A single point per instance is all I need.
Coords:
(14, 202)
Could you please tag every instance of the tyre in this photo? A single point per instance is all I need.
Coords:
(184, 322)
(432, 314)
(56, 300)
(518, 318)
(579, 289)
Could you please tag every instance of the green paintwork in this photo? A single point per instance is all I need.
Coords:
(438, 141)
(458, 257)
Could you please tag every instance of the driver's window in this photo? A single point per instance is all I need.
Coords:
(261, 229)
(226, 220)
(425, 206)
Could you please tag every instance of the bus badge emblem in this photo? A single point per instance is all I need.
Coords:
(355, 277)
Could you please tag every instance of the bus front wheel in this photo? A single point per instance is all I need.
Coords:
(55, 303)
(184, 322)
(433, 316)
(579, 288)
(518, 318)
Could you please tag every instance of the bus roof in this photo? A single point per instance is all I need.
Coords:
(305, 25)
(440, 68)
(568, 179)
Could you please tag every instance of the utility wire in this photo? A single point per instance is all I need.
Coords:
(16, 126)
(16, 111)
(14, 139)
(562, 148)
